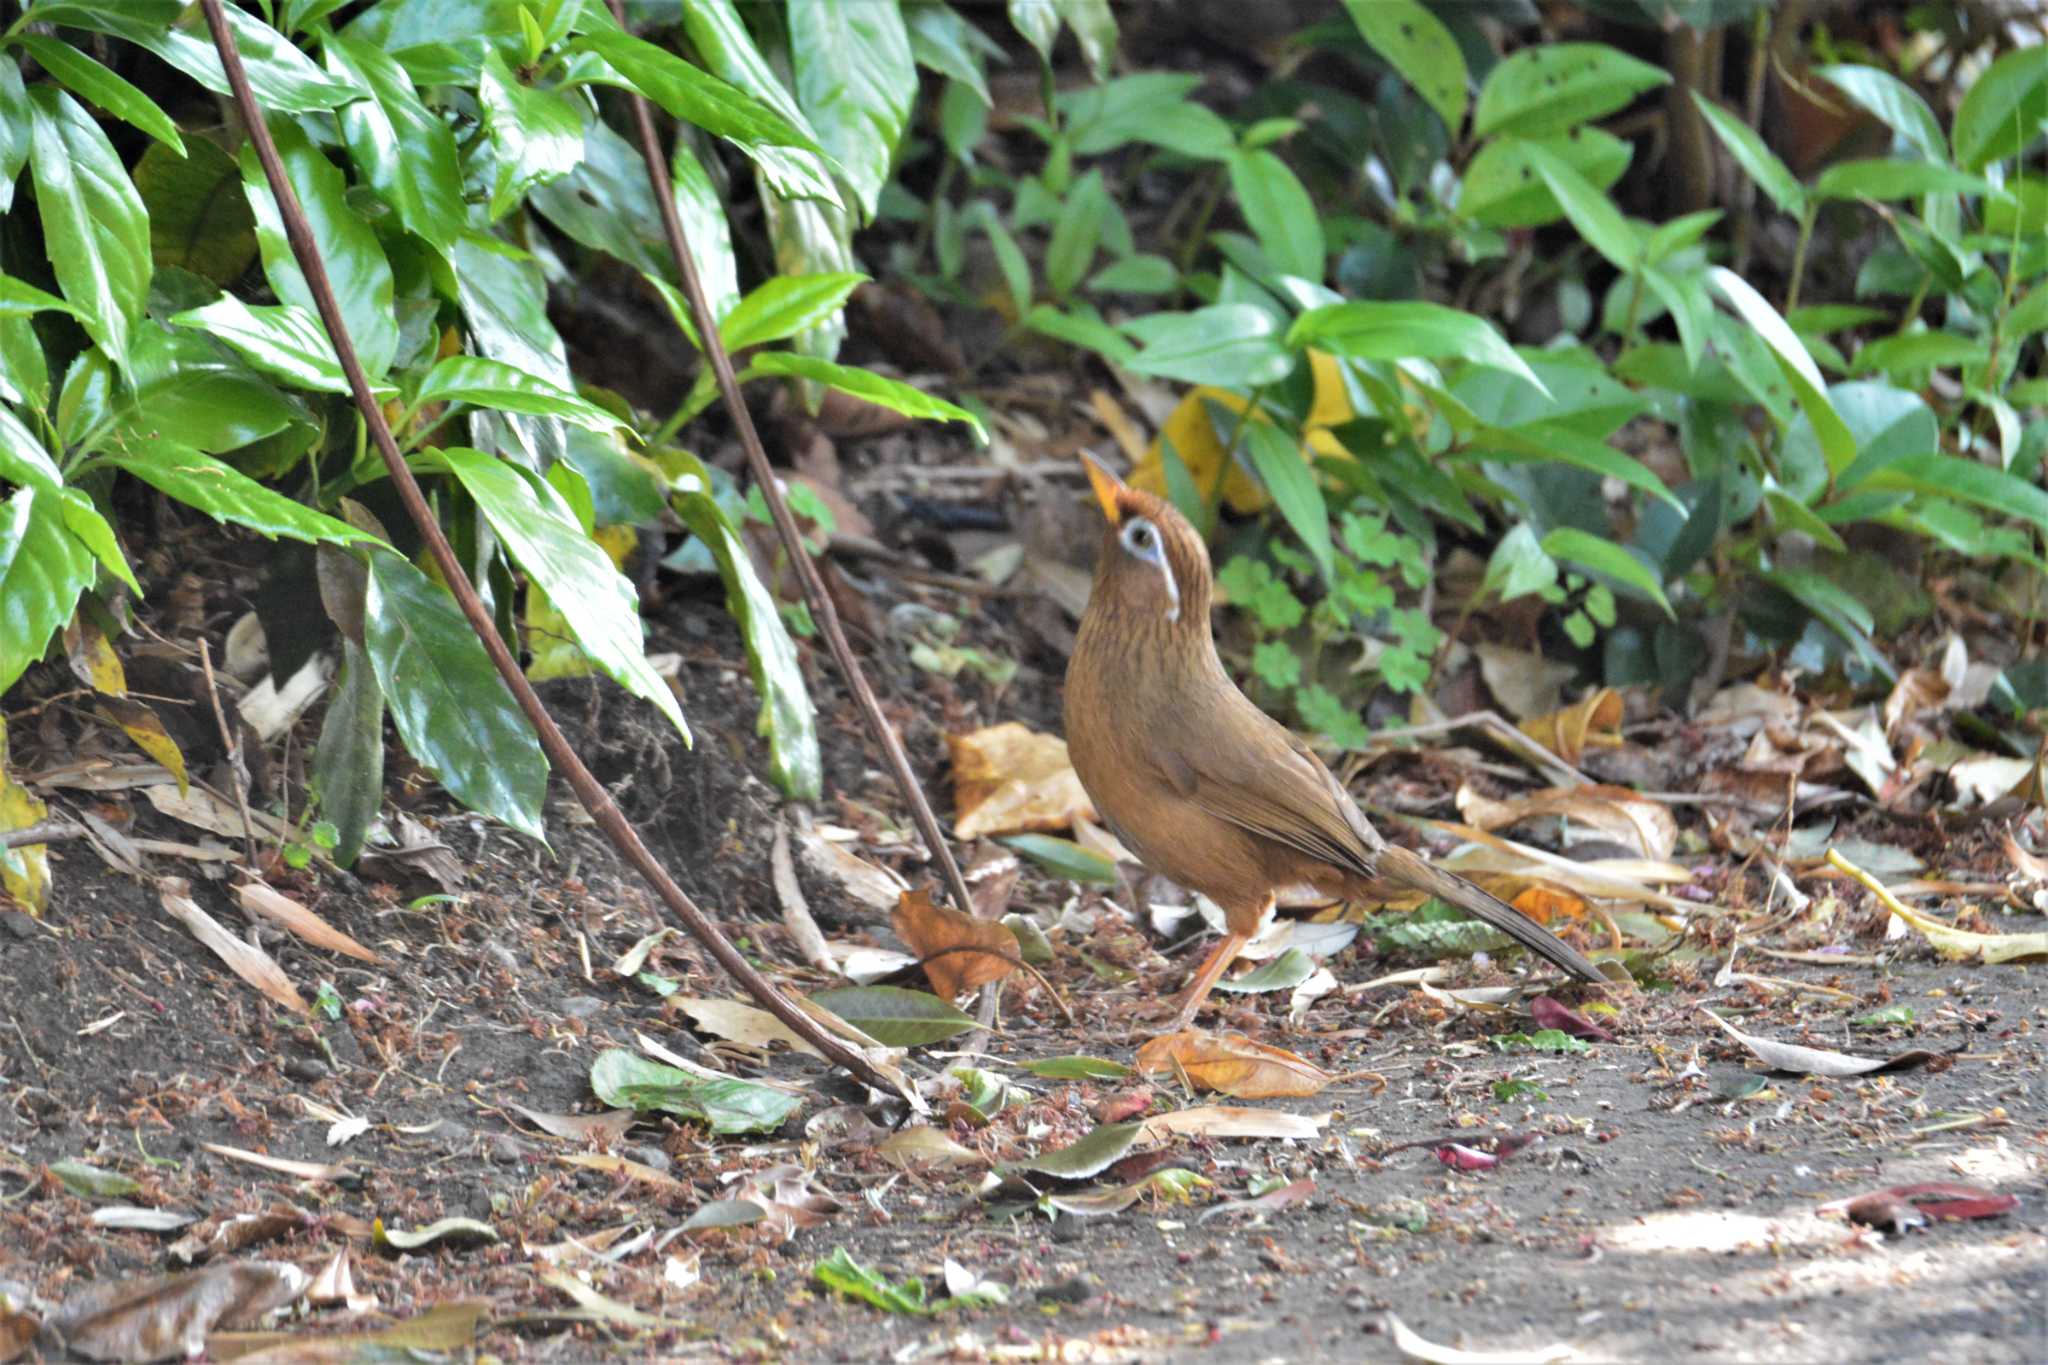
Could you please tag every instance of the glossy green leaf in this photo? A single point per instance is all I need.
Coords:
(95, 231)
(43, 570)
(1277, 208)
(190, 390)
(1232, 345)
(1372, 330)
(504, 302)
(943, 41)
(1894, 103)
(779, 308)
(1078, 325)
(348, 763)
(19, 299)
(16, 116)
(1501, 189)
(1836, 443)
(893, 1016)
(856, 83)
(1553, 87)
(1886, 180)
(1283, 973)
(545, 539)
(626, 1080)
(349, 248)
(1604, 556)
(787, 718)
(95, 84)
(1139, 273)
(607, 204)
(863, 384)
(2003, 110)
(1102, 1148)
(1420, 49)
(1093, 24)
(1038, 23)
(451, 707)
(1064, 858)
(282, 339)
(405, 152)
(1757, 160)
(1790, 512)
(1590, 211)
(284, 79)
(1291, 481)
(536, 134)
(486, 383)
(226, 494)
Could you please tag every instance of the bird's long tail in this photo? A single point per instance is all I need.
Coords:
(1398, 864)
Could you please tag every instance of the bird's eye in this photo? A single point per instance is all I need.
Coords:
(1141, 537)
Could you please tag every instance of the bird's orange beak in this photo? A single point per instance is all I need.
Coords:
(1107, 487)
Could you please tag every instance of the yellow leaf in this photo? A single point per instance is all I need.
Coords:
(25, 871)
(93, 659)
(143, 726)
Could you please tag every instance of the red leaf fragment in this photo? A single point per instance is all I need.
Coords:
(1552, 1013)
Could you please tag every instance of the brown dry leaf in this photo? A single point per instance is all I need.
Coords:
(165, 1317)
(607, 1127)
(2030, 866)
(1570, 731)
(245, 960)
(1814, 1061)
(1231, 1121)
(1232, 1065)
(924, 1145)
(201, 809)
(1918, 691)
(1118, 424)
(622, 1166)
(607, 1309)
(336, 1284)
(300, 1170)
(745, 1024)
(1415, 1346)
(1008, 779)
(957, 951)
(441, 1330)
(1523, 682)
(1614, 811)
(873, 886)
(18, 1328)
(272, 904)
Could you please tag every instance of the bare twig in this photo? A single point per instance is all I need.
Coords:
(815, 597)
(42, 832)
(236, 769)
(603, 810)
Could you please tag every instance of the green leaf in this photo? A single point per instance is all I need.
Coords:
(1946, 476)
(1283, 973)
(1835, 609)
(779, 308)
(93, 1182)
(856, 82)
(863, 384)
(1894, 103)
(536, 134)
(1543, 1040)
(842, 1272)
(1276, 665)
(1078, 1069)
(279, 339)
(1064, 858)
(1836, 443)
(1539, 441)
(1038, 23)
(1591, 212)
(943, 41)
(893, 1016)
(1102, 1148)
(1885, 180)
(626, 1080)
(92, 82)
(1291, 481)
(1917, 352)
(1080, 325)
(348, 247)
(1607, 557)
(43, 570)
(2002, 113)
(1279, 212)
(226, 494)
(198, 218)
(15, 117)
(19, 299)
(348, 764)
(1416, 45)
(504, 301)
(1501, 189)
(1076, 234)
(545, 539)
(1093, 25)
(404, 150)
(283, 78)
(1231, 345)
(790, 157)
(1141, 273)
(451, 707)
(1553, 87)
(787, 718)
(1762, 165)
(487, 383)
(95, 231)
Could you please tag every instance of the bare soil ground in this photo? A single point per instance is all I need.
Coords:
(1652, 1220)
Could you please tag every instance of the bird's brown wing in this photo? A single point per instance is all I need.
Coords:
(1268, 782)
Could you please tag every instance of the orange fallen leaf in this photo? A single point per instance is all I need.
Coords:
(1569, 731)
(1233, 1065)
(1544, 904)
(958, 952)
(1008, 779)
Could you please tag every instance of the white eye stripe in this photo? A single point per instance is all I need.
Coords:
(1141, 540)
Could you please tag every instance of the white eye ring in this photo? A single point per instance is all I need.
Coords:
(1141, 537)
(1141, 540)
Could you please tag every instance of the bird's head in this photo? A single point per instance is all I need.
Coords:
(1154, 567)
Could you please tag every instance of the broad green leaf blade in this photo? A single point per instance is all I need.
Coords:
(1886, 180)
(626, 1080)
(199, 219)
(1539, 441)
(864, 384)
(405, 152)
(856, 82)
(1771, 175)
(15, 116)
(1418, 46)
(226, 494)
(281, 339)
(1231, 345)
(1097, 1152)
(348, 246)
(1283, 973)
(942, 41)
(788, 719)
(1590, 211)
(545, 539)
(1836, 442)
(1835, 609)
(1945, 476)
(94, 83)
(82, 518)
(348, 764)
(19, 299)
(451, 707)
(284, 79)
(1607, 557)
(43, 570)
(1553, 87)
(1064, 858)
(537, 134)
(1370, 330)
(2001, 116)
(95, 231)
(504, 302)
(1078, 1068)
(1279, 212)
(192, 390)
(1038, 22)
(1918, 352)
(24, 460)
(1291, 481)
(779, 308)
(1501, 189)
(1093, 25)
(1894, 103)
(893, 1016)
(1076, 234)
(486, 383)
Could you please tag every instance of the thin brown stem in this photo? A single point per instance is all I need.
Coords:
(603, 810)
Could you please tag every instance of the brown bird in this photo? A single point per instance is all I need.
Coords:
(1197, 781)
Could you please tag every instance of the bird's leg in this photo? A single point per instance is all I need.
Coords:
(1198, 989)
